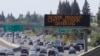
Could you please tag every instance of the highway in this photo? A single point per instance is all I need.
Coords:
(34, 38)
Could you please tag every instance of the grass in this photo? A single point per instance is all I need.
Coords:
(51, 39)
(29, 33)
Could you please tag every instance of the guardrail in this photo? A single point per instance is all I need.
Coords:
(93, 52)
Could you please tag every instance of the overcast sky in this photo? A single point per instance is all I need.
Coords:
(42, 7)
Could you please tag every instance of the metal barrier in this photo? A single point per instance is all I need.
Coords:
(93, 52)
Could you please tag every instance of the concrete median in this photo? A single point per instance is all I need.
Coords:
(9, 45)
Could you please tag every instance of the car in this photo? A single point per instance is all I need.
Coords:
(66, 47)
(60, 48)
(49, 45)
(51, 53)
(21, 41)
(43, 50)
(80, 42)
(24, 52)
(57, 43)
(72, 50)
(37, 47)
(2, 53)
(9, 52)
(40, 43)
(30, 43)
(33, 49)
(32, 53)
(42, 54)
(77, 47)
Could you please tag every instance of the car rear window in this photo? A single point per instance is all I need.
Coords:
(51, 52)
(24, 51)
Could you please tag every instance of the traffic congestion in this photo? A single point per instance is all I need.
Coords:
(40, 46)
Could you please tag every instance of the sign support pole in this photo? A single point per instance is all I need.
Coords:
(13, 37)
(85, 41)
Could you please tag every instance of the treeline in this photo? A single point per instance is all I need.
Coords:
(73, 9)
(27, 19)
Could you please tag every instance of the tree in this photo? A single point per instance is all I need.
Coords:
(20, 19)
(2, 17)
(64, 8)
(28, 17)
(68, 8)
(75, 8)
(59, 8)
(10, 18)
(34, 17)
(86, 9)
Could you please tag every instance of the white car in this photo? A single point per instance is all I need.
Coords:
(33, 49)
(9, 52)
(32, 53)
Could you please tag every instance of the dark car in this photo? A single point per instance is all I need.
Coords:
(30, 43)
(2, 54)
(60, 48)
(51, 53)
(77, 47)
(66, 47)
(24, 52)
(41, 43)
(38, 48)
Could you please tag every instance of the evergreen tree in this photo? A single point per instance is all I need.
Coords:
(20, 18)
(75, 8)
(59, 8)
(2, 17)
(64, 8)
(68, 8)
(34, 17)
(86, 9)
(28, 17)
(10, 18)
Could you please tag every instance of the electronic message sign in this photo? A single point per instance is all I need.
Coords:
(67, 20)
